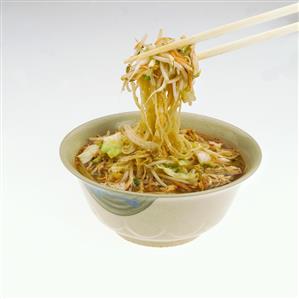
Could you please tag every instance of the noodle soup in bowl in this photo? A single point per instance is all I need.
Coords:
(157, 219)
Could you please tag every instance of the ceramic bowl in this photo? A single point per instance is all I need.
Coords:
(160, 219)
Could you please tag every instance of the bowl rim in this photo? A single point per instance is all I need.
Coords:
(213, 191)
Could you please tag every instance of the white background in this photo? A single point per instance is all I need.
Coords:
(61, 67)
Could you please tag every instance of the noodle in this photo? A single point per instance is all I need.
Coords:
(156, 155)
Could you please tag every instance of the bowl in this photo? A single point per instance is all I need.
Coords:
(160, 219)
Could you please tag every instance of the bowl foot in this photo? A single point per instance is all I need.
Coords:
(153, 243)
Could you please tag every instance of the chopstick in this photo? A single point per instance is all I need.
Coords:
(248, 41)
(220, 30)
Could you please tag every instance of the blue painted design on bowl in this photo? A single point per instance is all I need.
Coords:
(120, 204)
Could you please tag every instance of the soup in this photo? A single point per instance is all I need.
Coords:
(156, 154)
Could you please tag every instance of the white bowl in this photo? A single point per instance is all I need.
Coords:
(160, 219)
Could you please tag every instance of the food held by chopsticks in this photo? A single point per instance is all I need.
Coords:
(156, 154)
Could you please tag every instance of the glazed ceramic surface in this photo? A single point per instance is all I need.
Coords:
(160, 219)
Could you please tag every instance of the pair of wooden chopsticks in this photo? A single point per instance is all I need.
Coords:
(218, 31)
